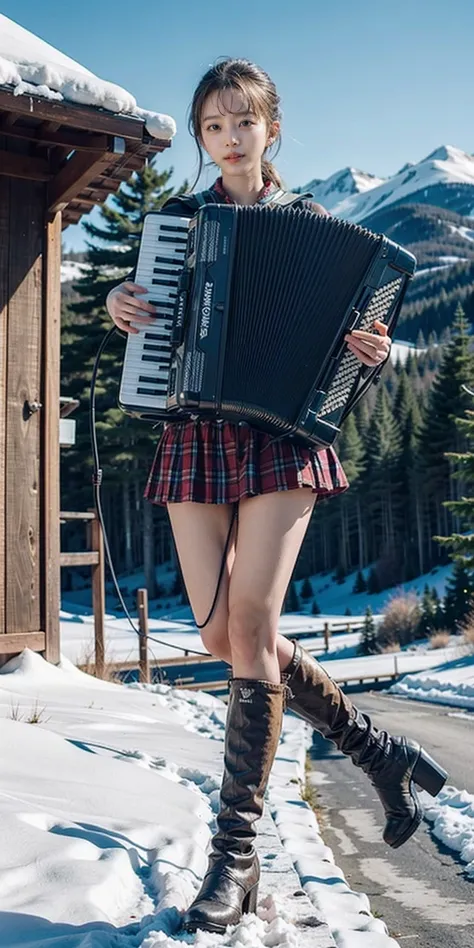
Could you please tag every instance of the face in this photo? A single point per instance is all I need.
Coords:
(233, 137)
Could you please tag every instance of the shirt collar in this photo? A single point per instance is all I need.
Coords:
(219, 189)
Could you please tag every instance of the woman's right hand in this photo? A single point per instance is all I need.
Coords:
(124, 307)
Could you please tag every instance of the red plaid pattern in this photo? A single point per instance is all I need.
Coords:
(220, 462)
(212, 462)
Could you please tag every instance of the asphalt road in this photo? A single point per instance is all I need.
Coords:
(419, 890)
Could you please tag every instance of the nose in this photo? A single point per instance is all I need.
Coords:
(233, 137)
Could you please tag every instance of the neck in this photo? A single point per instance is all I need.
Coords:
(243, 189)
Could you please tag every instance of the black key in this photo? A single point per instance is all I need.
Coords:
(152, 391)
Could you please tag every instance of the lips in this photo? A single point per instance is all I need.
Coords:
(233, 157)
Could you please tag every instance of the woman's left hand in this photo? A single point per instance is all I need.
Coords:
(370, 348)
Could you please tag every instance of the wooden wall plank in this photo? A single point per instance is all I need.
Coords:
(50, 499)
(23, 592)
(4, 241)
(12, 644)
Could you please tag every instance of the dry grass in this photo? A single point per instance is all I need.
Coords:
(440, 639)
(391, 647)
(86, 663)
(400, 621)
(35, 716)
(467, 629)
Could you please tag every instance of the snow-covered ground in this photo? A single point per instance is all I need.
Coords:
(107, 799)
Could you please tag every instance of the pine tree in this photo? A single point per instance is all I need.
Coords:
(428, 609)
(360, 584)
(458, 596)
(383, 500)
(440, 436)
(315, 610)
(373, 583)
(306, 590)
(407, 414)
(368, 644)
(350, 508)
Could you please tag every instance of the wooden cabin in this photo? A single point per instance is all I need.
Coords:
(57, 161)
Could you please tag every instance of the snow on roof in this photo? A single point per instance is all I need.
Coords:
(33, 67)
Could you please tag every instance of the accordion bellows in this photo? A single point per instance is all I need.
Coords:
(264, 300)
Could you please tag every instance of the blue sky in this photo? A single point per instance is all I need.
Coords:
(369, 84)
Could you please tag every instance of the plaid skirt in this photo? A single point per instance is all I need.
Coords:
(219, 462)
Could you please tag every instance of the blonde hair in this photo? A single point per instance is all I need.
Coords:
(258, 90)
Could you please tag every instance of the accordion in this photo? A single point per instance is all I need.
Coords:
(252, 307)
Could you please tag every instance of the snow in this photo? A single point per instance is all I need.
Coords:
(341, 184)
(32, 67)
(72, 270)
(445, 165)
(451, 684)
(107, 805)
(401, 350)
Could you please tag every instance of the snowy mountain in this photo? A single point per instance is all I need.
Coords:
(445, 178)
(341, 185)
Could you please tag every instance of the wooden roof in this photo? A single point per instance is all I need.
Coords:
(82, 153)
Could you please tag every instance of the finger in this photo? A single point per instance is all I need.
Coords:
(129, 314)
(129, 300)
(378, 343)
(124, 326)
(376, 338)
(381, 327)
(363, 345)
(135, 288)
(368, 354)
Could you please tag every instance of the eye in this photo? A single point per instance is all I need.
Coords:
(246, 122)
(212, 127)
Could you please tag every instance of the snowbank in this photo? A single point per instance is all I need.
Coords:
(107, 804)
(33, 67)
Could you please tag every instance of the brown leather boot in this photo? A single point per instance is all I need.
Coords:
(253, 728)
(393, 764)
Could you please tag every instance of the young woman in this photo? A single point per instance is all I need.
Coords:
(201, 470)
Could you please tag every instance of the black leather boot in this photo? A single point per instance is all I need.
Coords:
(253, 727)
(393, 764)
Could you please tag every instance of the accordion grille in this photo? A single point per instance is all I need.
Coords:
(292, 272)
(349, 366)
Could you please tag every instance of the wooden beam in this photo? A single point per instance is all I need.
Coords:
(52, 134)
(23, 443)
(79, 559)
(75, 116)
(73, 176)
(14, 642)
(77, 515)
(4, 291)
(24, 166)
(50, 446)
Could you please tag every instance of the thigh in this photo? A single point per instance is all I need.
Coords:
(200, 532)
(271, 530)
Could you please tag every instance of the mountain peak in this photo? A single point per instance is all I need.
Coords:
(447, 153)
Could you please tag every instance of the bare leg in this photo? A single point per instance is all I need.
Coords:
(271, 531)
(200, 532)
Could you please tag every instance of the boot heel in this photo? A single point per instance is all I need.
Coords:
(428, 775)
(249, 905)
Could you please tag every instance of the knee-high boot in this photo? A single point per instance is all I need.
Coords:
(253, 728)
(393, 764)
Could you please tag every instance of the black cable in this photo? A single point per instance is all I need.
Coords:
(97, 483)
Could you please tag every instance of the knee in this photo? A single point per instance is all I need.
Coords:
(216, 640)
(250, 630)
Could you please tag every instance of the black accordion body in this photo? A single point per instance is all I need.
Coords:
(262, 299)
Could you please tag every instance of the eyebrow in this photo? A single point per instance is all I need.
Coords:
(245, 112)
